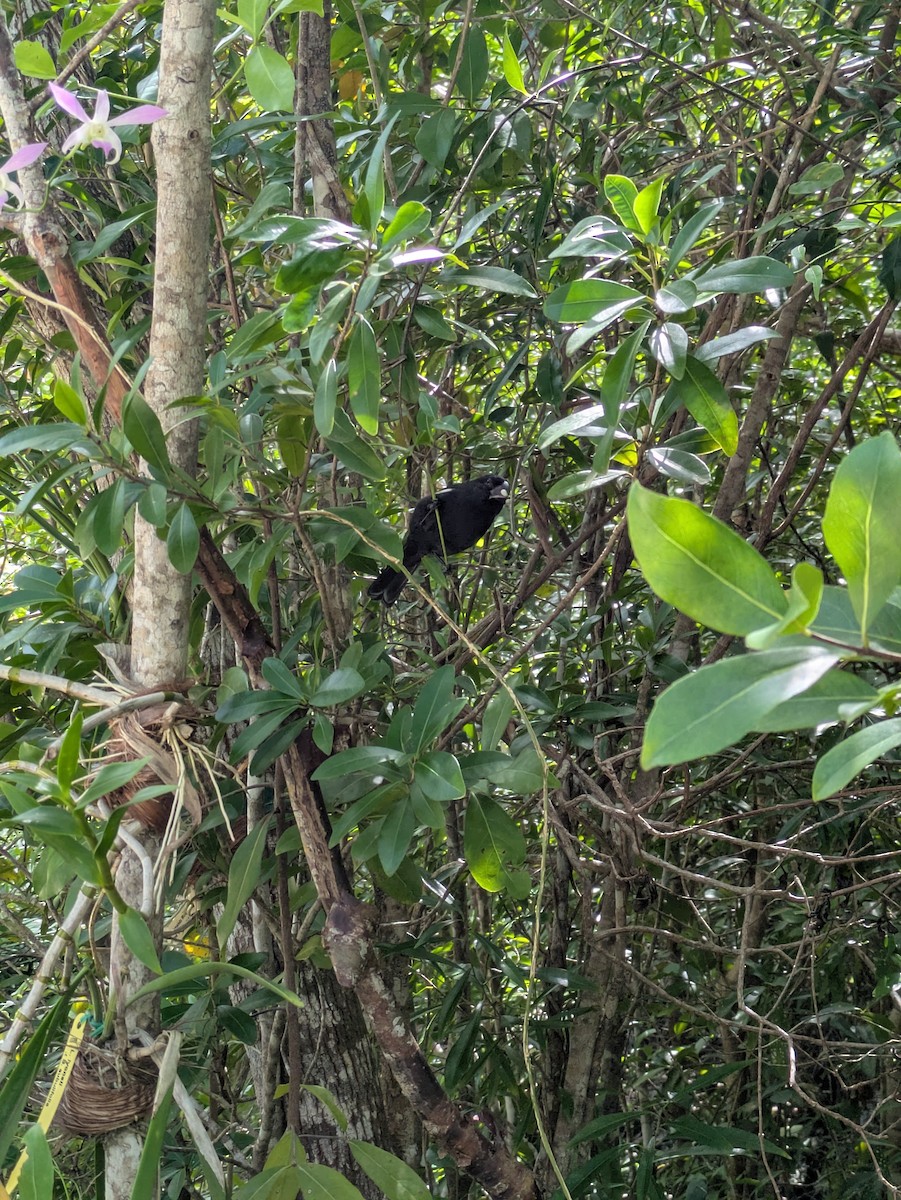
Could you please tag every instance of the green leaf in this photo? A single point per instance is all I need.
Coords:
(669, 345)
(68, 760)
(338, 687)
(746, 275)
(69, 403)
(614, 388)
(512, 69)
(820, 704)
(46, 438)
(890, 267)
(839, 765)
(389, 1173)
(138, 938)
(435, 137)
(147, 1176)
(252, 14)
(804, 599)
(34, 61)
(622, 194)
(270, 79)
(395, 835)
(152, 505)
(173, 980)
(859, 524)
(647, 205)
(816, 179)
(679, 464)
(143, 429)
(364, 376)
(374, 182)
(498, 711)
(489, 279)
(109, 516)
(370, 760)
(435, 708)
(36, 1180)
(408, 222)
(717, 705)
(495, 848)
(690, 233)
(587, 298)
(243, 876)
(705, 397)
(437, 775)
(326, 399)
(183, 540)
(724, 1139)
(701, 566)
(350, 448)
(473, 62)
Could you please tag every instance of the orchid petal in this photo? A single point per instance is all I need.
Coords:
(101, 108)
(110, 145)
(4, 196)
(73, 140)
(144, 114)
(69, 103)
(24, 156)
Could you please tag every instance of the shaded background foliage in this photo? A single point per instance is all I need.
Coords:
(704, 962)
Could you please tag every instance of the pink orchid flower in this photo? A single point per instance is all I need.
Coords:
(23, 157)
(97, 130)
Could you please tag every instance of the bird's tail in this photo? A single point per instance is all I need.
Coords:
(387, 585)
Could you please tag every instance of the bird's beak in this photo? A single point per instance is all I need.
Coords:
(499, 492)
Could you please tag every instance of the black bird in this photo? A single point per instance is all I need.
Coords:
(447, 523)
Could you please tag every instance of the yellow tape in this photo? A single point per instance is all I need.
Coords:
(51, 1104)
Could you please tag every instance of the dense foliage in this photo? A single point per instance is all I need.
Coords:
(641, 256)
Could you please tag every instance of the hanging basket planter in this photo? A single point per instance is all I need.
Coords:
(104, 1093)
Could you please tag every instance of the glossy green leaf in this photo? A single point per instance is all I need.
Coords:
(804, 598)
(489, 279)
(437, 775)
(473, 61)
(701, 566)
(587, 298)
(143, 429)
(183, 540)
(390, 1174)
(839, 765)
(744, 276)
(646, 205)
(138, 938)
(147, 1177)
(495, 848)
(622, 193)
(702, 393)
(512, 69)
(270, 79)
(435, 137)
(408, 222)
(69, 403)
(435, 708)
(364, 376)
(819, 705)
(244, 873)
(395, 836)
(34, 61)
(718, 705)
(338, 687)
(859, 524)
(669, 345)
(36, 1180)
